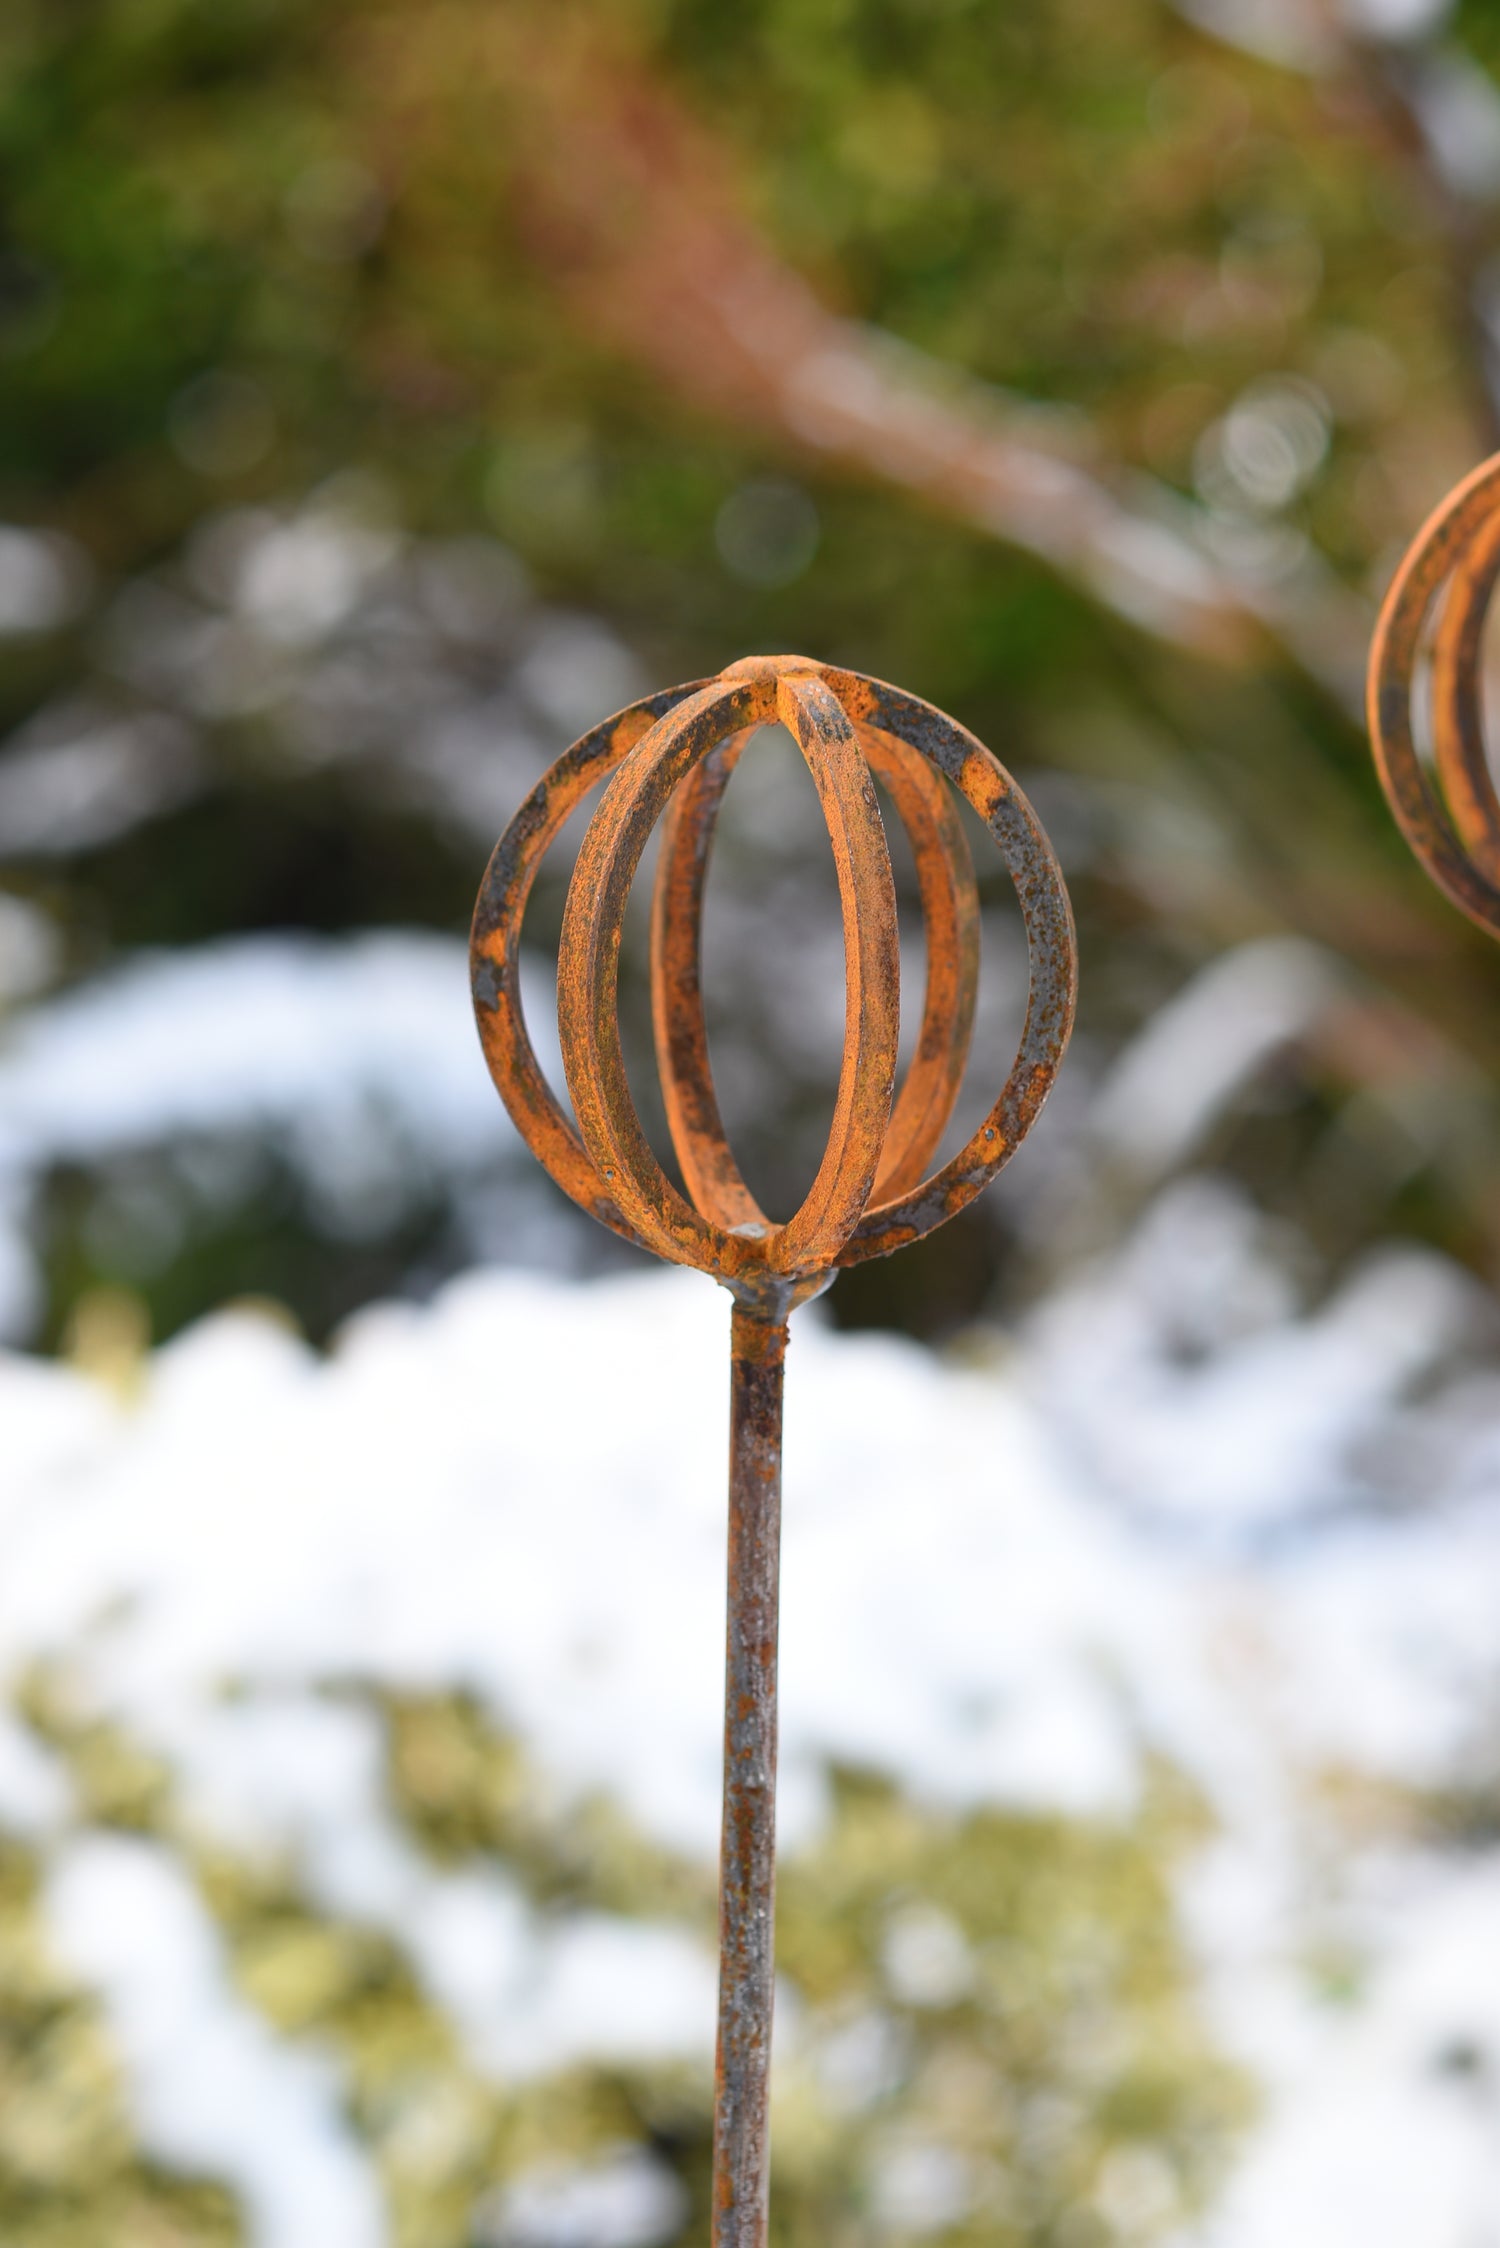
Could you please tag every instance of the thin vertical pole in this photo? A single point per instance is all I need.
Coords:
(747, 1861)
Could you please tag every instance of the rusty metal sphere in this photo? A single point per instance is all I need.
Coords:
(671, 755)
(1434, 617)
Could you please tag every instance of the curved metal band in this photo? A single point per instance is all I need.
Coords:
(1457, 701)
(495, 950)
(1458, 842)
(838, 1196)
(950, 912)
(950, 918)
(587, 1011)
(1052, 956)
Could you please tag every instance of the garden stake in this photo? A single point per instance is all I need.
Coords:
(1450, 817)
(671, 755)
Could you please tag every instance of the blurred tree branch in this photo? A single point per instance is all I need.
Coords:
(628, 203)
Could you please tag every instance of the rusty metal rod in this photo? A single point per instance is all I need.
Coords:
(747, 1856)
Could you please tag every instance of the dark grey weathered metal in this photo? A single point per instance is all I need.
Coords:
(671, 756)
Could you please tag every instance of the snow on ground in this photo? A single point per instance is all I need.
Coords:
(517, 1490)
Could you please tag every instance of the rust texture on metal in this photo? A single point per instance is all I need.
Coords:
(747, 1853)
(668, 759)
(1429, 644)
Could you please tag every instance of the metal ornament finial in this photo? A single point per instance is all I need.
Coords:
(671, 755)
(1450, 814)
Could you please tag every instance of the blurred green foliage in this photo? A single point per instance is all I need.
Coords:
(69, 2172)
(1001, 1993)
(245, 245)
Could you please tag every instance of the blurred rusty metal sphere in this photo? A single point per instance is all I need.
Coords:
(671, 755)
(1431, 634)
